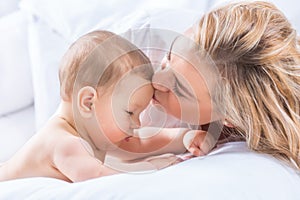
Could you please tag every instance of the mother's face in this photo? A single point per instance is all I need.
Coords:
(182, 85)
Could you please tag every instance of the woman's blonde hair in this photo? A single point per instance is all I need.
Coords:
(256, 51)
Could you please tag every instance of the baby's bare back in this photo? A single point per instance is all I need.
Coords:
(35, 158)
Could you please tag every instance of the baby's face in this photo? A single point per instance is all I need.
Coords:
(118, 110)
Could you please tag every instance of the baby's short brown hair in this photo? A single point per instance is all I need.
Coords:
(100, 58)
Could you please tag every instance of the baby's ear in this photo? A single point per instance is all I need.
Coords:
(86, 101)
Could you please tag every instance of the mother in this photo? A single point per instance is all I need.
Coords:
(256, 59)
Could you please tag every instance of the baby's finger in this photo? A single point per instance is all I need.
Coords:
(196, 151)
(189, 138)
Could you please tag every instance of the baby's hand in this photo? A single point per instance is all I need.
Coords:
(193, 142)
(145, 164)
(164, 160)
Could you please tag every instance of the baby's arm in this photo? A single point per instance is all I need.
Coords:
(166, 140)
(73, 160)
(150, 141)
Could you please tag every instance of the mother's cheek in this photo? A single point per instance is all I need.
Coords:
(169, 102)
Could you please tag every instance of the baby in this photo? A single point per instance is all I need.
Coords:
(105, 84)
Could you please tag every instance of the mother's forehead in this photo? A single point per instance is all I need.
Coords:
(184, 46)
(185, 49)
(186, 52)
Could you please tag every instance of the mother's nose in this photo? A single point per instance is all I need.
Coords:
(158, 82)
(164, 63)
(160, 87)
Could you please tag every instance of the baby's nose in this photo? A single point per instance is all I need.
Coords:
(135, 124)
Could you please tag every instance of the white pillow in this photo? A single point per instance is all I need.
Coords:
(74, 18)
(7, 7)
(15, 76)
(16, 129)
(46, 48)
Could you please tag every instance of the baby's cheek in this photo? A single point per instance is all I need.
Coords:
(123, 125)
(115, 134)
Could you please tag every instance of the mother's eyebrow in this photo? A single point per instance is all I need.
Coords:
(171, 46)
(180, 85)
(183, 87)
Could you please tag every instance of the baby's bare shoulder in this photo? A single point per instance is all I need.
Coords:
(60, 138)
(70, 145)
(70, 148)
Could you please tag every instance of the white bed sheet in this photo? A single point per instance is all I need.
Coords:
(229, 172)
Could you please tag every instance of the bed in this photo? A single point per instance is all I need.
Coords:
(45, 30)
(231, 171)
